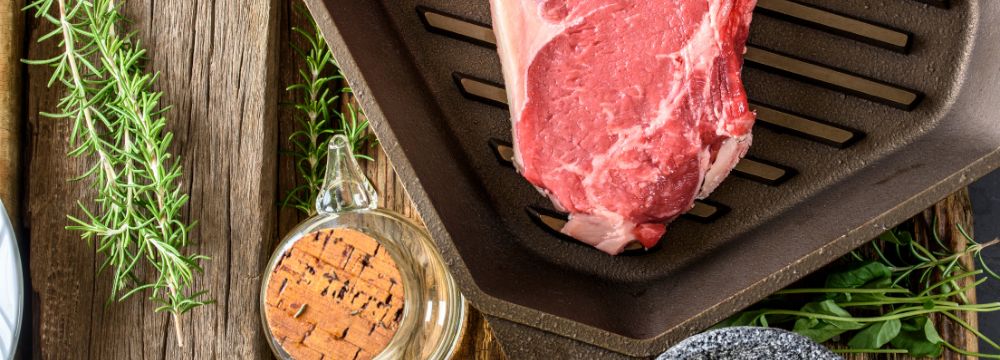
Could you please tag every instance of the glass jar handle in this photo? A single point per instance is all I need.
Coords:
(345, 188)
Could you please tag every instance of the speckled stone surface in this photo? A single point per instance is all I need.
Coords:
(748, 343)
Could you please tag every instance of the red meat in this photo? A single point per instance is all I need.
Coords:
(624, 112)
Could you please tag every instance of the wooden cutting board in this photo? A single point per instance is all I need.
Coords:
(223, 66)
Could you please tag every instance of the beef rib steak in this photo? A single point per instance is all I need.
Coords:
(625, 111)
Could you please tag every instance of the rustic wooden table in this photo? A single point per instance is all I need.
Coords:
(223, 66)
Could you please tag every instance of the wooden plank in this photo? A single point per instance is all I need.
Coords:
(218, 70)
(62, 266)
(478, 341)
(953, 211)
(289, 62)
(11, 26)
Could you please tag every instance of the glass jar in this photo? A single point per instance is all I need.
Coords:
(295, 311)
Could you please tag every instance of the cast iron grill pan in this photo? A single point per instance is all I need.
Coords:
(867, 113)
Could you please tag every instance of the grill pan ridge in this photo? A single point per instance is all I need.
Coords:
(868, 112)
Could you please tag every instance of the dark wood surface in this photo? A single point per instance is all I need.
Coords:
(223, 66)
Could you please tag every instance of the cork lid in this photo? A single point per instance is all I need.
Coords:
(334, 294)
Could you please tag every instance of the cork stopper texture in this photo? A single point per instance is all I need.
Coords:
(335, 294)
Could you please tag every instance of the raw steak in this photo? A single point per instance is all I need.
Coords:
(625, 111)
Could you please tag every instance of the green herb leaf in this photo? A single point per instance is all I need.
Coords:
(885, 297)
(875, 335)
(134, 219)
(821, 330)
(890, 237)
(746, 318)
(905, 237)
(318, 99)
(918, 336)
(880, 283)
(858, 276)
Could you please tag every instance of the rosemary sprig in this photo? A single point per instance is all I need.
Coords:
(319, 117)
(118, 121)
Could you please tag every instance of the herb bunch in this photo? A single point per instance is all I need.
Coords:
(135, 222)
(321, 90)
(884, 305)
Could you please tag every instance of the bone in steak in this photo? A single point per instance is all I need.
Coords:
(625, 111)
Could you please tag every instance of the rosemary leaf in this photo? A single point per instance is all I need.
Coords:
(319, 117)
(135, 221)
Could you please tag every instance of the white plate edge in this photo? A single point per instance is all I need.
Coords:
(19, 273)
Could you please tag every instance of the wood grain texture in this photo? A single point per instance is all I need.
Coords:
(478, 342)
(62, 266)
(217, 61)
(944, 218)
(11, 29)
(289, 63)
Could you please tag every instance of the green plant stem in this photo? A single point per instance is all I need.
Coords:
(885, 300)
(907, 312)
(971, 329)
(939, 265)
(870, 351)
(951, 280)
(129, 97)
(974, 248)
(969, 353)
(895, 301)
(845, 291)
(69, 47)
(311, 139)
